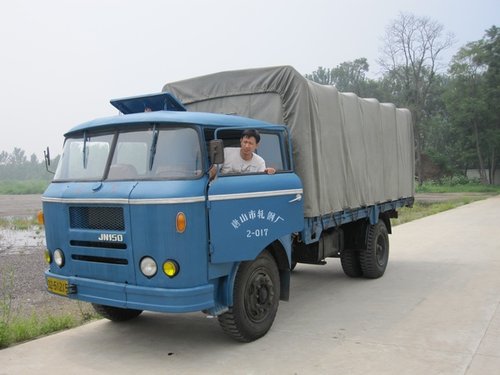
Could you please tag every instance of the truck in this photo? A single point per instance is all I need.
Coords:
(134, 222)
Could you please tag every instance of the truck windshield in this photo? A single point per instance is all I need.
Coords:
(158, 153)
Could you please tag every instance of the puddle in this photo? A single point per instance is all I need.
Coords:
(21, 241)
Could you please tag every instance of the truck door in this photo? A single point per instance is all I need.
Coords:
(249, 211)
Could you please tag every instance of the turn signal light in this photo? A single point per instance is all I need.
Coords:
(40, 217)
(47, 257)
(180, 222)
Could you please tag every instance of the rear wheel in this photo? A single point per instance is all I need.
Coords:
(349, 259)
(255, 300)
(116, 314)
(375, 257)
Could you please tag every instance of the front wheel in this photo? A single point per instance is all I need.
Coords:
(255, 300)
(116, 314)
(375, 256)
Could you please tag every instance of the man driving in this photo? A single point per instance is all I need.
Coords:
(243, 159)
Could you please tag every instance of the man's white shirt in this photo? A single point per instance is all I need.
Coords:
(234, 163)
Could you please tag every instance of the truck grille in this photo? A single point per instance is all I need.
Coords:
(89, 258)
(102, 218)
(100, 244)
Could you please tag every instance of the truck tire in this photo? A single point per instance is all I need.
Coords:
(116, 314)
(375, 256)
(255, 300)
(349, 259)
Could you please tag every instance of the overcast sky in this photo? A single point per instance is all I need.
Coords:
(62, 61)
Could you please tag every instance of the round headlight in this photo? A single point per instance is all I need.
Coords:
(170, 268)
(59, 257)
(148, 266)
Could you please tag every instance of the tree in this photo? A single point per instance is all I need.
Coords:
(322, 76)
(491, 58)
(16, 166)
(17, 157)
(472, 100)
(410, 58)
(33, 159)
(348, 76)
(443, 142)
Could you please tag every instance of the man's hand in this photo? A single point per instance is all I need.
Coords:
(212, 172)
(270, 170)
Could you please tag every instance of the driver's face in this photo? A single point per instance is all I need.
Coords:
(248, 145)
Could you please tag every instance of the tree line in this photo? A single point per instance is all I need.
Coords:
(16, 166)
(456, 114)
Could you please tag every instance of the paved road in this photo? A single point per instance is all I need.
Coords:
(436, 311)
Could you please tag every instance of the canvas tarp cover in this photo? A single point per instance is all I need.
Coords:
(349, 152)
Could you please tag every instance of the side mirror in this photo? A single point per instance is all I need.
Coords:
(46, 155)
(216, 151)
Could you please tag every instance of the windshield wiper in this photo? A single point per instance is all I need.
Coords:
(152, 151)
(84, 150)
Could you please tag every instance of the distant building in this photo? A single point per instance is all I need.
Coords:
(474, 173)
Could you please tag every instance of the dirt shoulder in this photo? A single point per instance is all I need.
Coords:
(20, 205)
(22, 267)
(22, 284)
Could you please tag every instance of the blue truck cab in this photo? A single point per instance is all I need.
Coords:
(134, 221)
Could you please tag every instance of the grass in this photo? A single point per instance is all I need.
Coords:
(23, 329)
(6, 286)
(456, 184)
(16, 329)
(469, 188)
(19, 222)
(422, 209)
(11, 187)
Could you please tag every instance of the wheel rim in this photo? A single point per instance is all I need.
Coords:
(259, 296)
(380, 250)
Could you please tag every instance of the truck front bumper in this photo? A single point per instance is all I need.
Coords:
(134, 297)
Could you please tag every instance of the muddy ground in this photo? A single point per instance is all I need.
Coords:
(22, 281)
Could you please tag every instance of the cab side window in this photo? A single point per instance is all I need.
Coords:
(270, 149)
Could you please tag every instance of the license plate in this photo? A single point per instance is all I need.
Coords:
(57, 286)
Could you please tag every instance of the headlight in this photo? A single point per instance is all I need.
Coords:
(59, 257)
(171, 268)
(148, 266)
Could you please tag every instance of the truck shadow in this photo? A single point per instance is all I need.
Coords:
(323, 303)
(172, 332)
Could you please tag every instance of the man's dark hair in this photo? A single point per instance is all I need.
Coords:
(251, 133)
